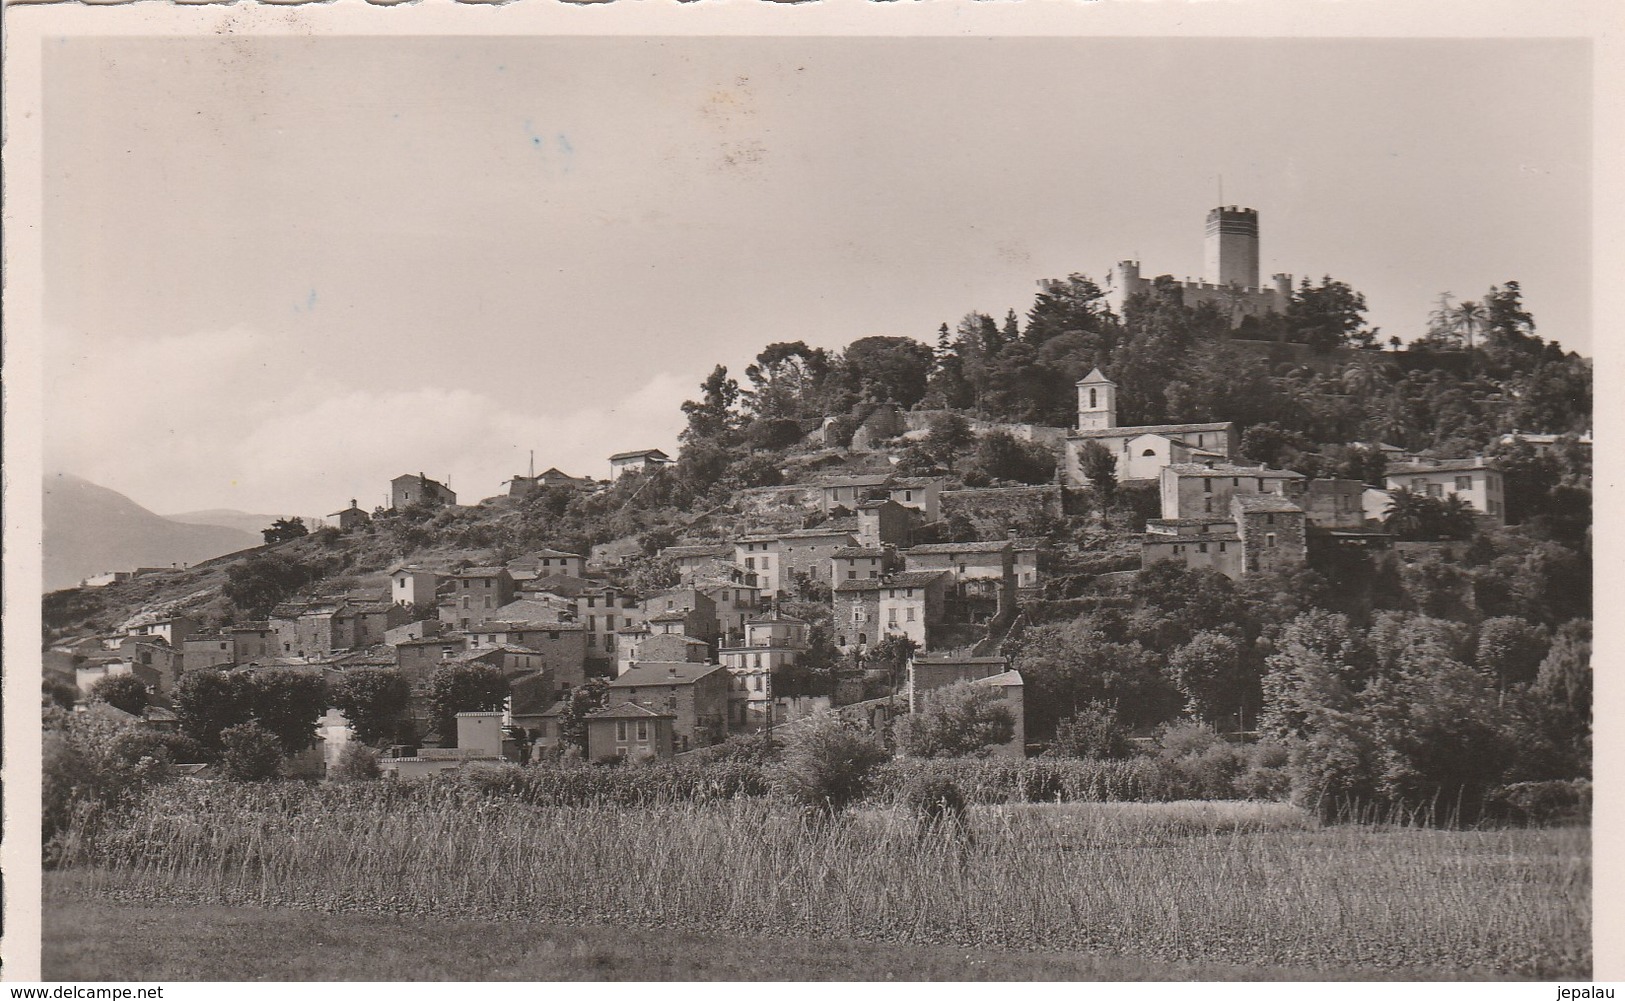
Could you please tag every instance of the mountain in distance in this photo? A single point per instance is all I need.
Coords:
(89, 529)
(241, 520)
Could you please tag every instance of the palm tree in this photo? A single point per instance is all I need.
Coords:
(1442, 321)
(1469, 316)
(1409, 513)
(1456, 517)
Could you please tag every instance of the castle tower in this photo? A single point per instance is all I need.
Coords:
(1231, 250)
(1097, 402)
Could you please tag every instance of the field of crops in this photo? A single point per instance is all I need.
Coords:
(1246, 883)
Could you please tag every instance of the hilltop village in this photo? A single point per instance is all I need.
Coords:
(852, 534)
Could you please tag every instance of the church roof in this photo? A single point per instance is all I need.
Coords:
(1095, 378)
(1162, 429)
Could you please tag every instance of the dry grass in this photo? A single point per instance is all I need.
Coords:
(92, 940)
(1251, 884)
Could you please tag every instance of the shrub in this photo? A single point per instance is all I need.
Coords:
(252, 753)
(1091, 732)
(1542, 802)
(934, 798)
(960, 719)
(125, 692)
(357, 763)
(91, 768)
(828, 764)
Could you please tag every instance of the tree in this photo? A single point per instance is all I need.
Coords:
(288, 704)
(773, 434)
(712, 418)
(463, 688)
(259, 582)
(1099, 467)
(1072, 304)
(1328, 315)
(209, 702)
(356, 763)
(59, 693)
(893, 369)
(961, 719)
(582, 702)
(375, 701)
(1091, 732)
(892, 653)
(947, 436)
(1211, 671)
(251, 753)
(1001, 456)
(1510, 649)
(827, 764)
(1469, 319)
(784, 380)
(121, 691)
(284, 530)
(1409, 515)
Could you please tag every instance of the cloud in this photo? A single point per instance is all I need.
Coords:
(217, 420)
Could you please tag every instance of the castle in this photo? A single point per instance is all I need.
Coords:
(1230, 260)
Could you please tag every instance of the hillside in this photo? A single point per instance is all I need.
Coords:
(89, 529)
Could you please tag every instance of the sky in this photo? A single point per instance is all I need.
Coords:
(281, 271)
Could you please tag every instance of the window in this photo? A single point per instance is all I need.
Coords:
(840, 640)
(1269, 540)
(908, 495)
(750, 564)
(1435, 489)
(643, 729)
(891, 616)
(1207, 486)
(1207, 505)
(765, 564)
(620, 730)
(1149, 453)
(1235, 481)
(863, 639)
(1418, 483)
(1261, 484)
(592, 640)
(1464, 483)
(1092, 403)
(1201, 547)
(609, 623)
(851, 575)
(1221, 547)
(487, 583)
(1269, 519)
(910, 616)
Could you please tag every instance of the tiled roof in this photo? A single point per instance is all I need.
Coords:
(1162, 429)
(912, 578)
(858, 553)
(863, 480)
(1220, 469)
(650, 673)
(481, 572)
(629, 710)
(775, 617)
(1265, 502)
(562, 585)
(946, 548)
(822, 532)
(714, 549)
(1439, 466)
(640, 453)
(1152, 539)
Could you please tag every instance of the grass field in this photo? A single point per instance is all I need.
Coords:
(1245, 885)
(86, 939)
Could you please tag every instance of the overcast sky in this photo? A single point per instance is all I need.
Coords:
(280, 272)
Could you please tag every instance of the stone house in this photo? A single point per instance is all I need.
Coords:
(695, 694)
(208, 652)
(351, 517)
(173, 631)
(806, 554)
(546, 563)
(252, 641)
(419, 659)
(1272, 531)
(556, 647)
(1329, 503)
(602, 609)
(688, 611)
(1209, 543)
(406, 490)
(909, 604)
(697, 557)
(638, 643)
(480, 738)
(95, 669)
(886, 523)
(860, 563)
(772, 643)
(1197, 490)
(735, 603)
(475, 595)
(631, 731)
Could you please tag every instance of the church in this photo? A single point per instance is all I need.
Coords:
(1142, 452)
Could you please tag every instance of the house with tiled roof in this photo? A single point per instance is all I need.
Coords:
(474, 594)
(911, 603)
(695, 694)
(1475, 480)
(632, 731)
(407, 490)
(1204, 489)
(639, 461)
